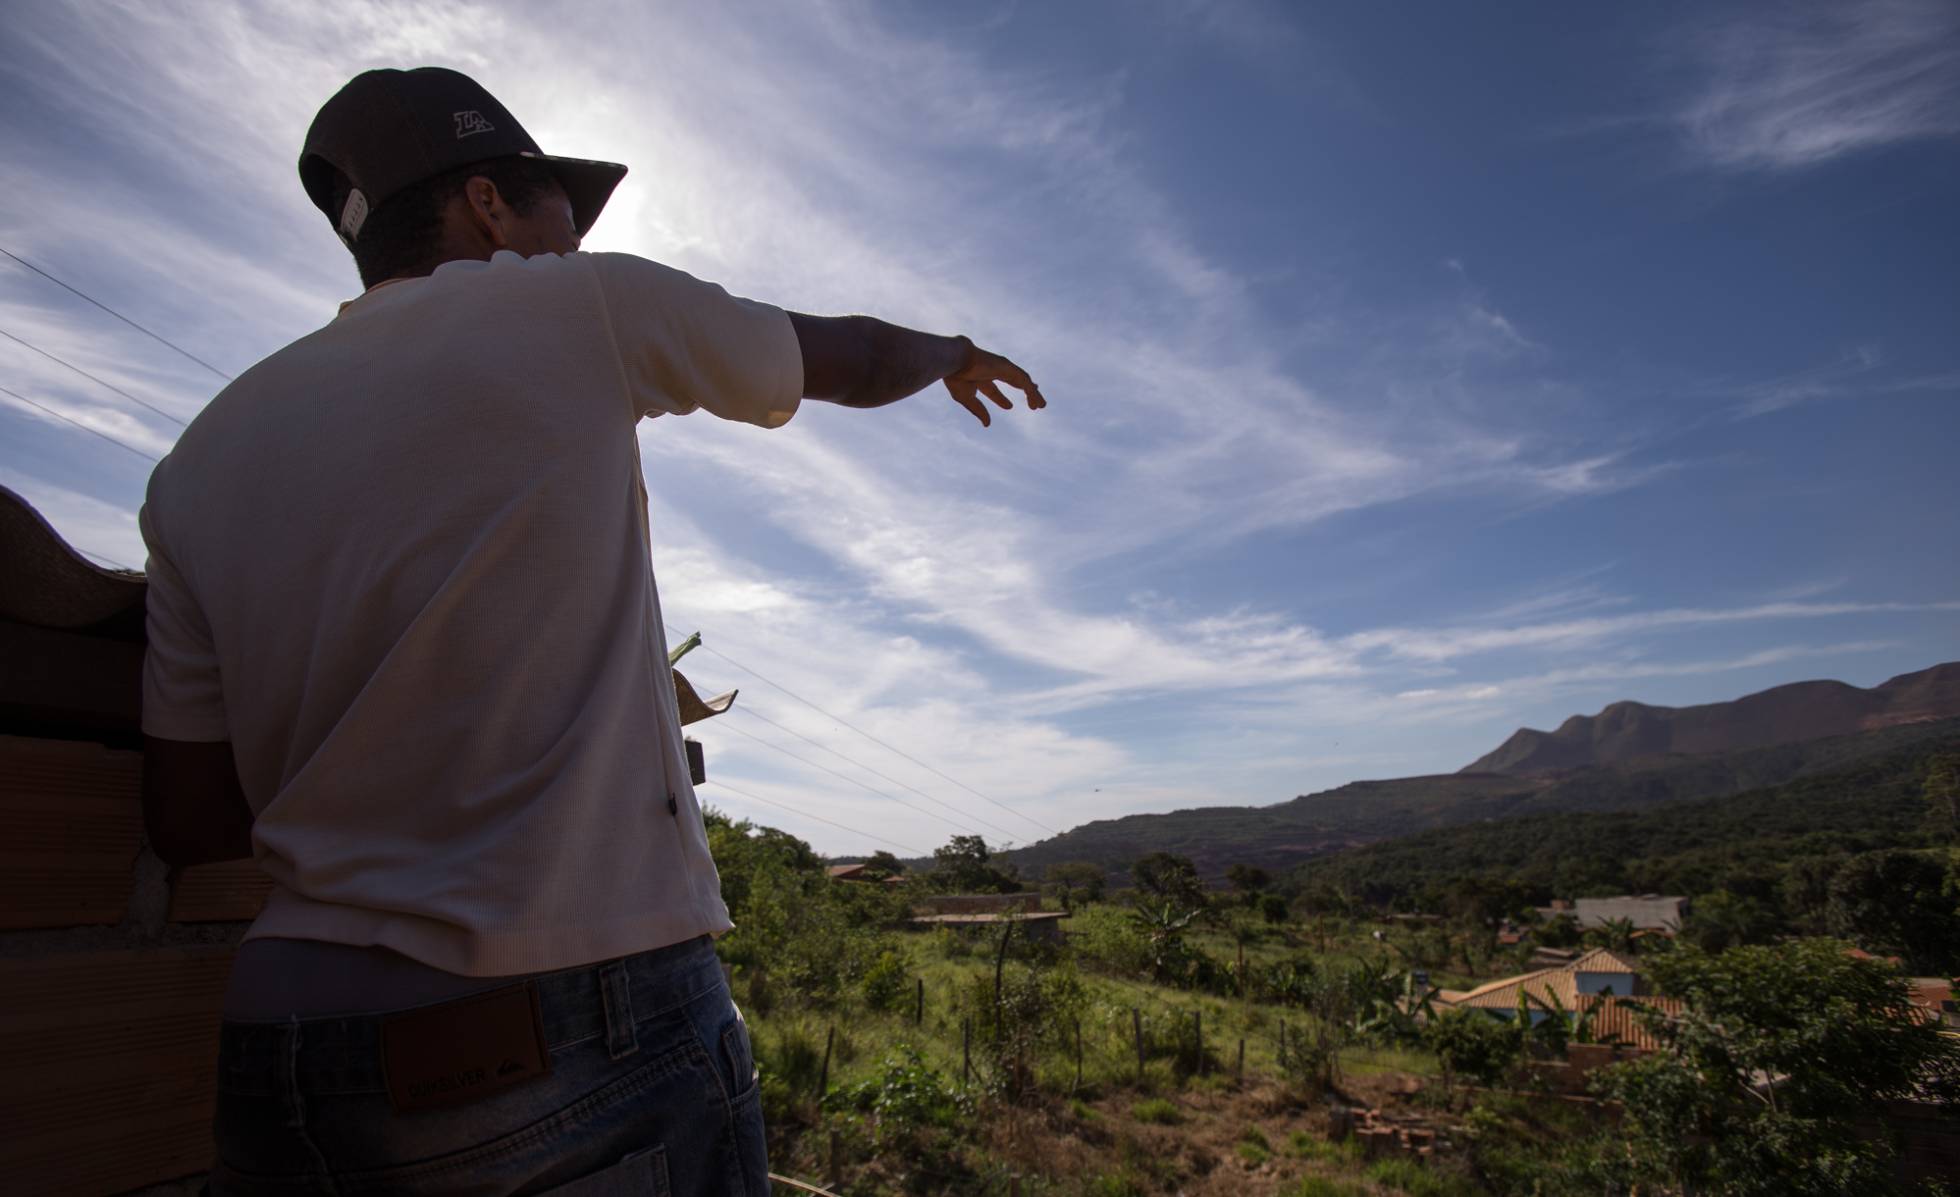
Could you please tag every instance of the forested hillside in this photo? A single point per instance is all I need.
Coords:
(1849, 852)
(1284, 835)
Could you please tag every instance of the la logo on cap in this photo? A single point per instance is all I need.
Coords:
(470, 122)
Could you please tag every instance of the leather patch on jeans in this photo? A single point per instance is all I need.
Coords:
(462, 1050)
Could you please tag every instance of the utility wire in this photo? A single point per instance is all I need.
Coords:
(803, 814)
(92, 378)
(113, 312)
(847, 777)
(875, 740)
(77, 423)
(755, 714)
(108, 560)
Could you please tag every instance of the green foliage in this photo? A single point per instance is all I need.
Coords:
(1726, 920)
(965, 865)
(1158, 1111)
(1329, 1186)
(888, 983)
(1248, 879)
(1167, 879)
(809, 935)
(1474, 1044)
(1114, 1184)
(1076, 881)
(1691, 847)
(1896, 903)
(1942, 792)
(1418, 1181)
(1760, 1080)
(905, 1096)
(1272, 908)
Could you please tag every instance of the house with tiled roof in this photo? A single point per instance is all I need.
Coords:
(1592, 988)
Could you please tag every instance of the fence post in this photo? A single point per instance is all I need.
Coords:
(1136, 1021)
(1198, 1035)
(966, 1051)
(836, 1161)
(1014, 1185)
(919, 1010)
(1241, 1060)
(1078, 1053)
(823, 1077)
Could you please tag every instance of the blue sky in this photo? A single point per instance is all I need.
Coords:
(1418, 372)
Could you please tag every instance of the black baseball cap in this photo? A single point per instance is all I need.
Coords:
(388, 129)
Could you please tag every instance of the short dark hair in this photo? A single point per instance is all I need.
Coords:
(403, 237)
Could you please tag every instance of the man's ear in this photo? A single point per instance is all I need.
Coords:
(487, 212)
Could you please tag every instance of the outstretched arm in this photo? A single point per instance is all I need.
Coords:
(860, 361)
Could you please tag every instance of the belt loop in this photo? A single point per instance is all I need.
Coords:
(288, 1070)
(616, 989)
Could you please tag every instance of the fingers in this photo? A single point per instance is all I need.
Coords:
(983, 375)
(1017, 378)
(963, 395)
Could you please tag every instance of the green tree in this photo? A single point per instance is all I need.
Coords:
(1760, 1080)
(1894, 902)
(1615, 934)
(1474, 1044)
(1168, 877)
(965, 866)
(1724, 920)
(1249, 880)
(882, 864)
(1942, 791)
(1076, 880)
(1272, 908)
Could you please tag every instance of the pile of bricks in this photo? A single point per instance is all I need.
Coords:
(1382, 1136)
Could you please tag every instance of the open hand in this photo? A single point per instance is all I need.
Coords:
(982, 375)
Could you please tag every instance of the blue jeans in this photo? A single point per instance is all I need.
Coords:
(652, 1089)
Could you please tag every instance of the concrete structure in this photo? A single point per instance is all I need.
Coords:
(971, 912)
(1647, 912)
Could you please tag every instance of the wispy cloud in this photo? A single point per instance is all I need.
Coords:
(1447, 644)
(948, 590)
(1790, 86)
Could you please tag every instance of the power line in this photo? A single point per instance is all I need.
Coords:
(92, 378)
(113, 312)
(802, 814)
(77, 423)
(847, 777)
(755, 714)
(875, 740)
(882, 743)
(108, 560)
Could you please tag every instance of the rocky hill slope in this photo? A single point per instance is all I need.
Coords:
(1633, 731)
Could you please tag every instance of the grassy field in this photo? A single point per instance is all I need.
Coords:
(939, 1096)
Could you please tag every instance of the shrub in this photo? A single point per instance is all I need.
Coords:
(1158, 1111)
(1417, 1181)
(887, 983)
(906, 1095)
(1327, 1186)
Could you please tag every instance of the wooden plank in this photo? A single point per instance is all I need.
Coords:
(153, 1154)
(231, 891)
(72, 823)
(108, 1067)
(91, 988)
(62, 677)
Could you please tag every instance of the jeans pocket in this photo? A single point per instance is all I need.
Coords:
(739, 1058)
(641, 1174)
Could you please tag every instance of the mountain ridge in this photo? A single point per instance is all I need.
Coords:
(1627, 731)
